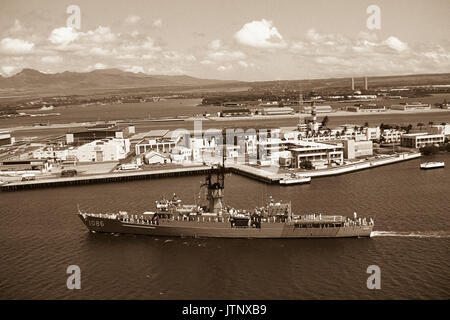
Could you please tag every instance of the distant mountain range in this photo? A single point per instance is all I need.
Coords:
(33, 80)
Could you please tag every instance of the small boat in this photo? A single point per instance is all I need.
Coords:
(294, 178)
(432, 165)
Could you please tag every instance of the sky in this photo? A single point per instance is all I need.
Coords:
(237, 40)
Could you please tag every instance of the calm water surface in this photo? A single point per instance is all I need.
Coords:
(40, 235)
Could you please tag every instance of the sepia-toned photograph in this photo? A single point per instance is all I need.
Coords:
(240, 152)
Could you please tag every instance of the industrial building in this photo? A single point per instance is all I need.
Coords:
(102, 131)
(319, 109)
(19, 166)
(111, 149)
(6, 139)
(408, 107)
(235, 112)
(277, 110)
(368, 108)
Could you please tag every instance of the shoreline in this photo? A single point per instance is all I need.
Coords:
(241, 169)
(221, 119)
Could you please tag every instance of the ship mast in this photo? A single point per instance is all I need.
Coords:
(216, 186)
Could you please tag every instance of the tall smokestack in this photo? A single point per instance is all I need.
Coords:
(366, 85)
(353, 84)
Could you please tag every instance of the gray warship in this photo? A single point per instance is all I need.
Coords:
(216, 220)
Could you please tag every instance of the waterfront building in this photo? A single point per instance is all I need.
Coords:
(27, 165)
(441, 129)
(181, 154)
(317, 153)
(391, 135)
(154, 157)
(54, 153)
(162, 141)
(356, 149)
(111, 149)
(419, 140)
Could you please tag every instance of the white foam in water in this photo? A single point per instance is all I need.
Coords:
(411, 234)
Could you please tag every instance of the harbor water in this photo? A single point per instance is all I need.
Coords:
(40, 236)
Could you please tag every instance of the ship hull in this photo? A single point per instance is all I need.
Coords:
(221, 229)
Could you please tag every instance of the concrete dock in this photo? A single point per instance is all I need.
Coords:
(260, 174)
(104, 178)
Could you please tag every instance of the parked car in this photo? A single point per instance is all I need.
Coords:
(28, 177)
(69, 173)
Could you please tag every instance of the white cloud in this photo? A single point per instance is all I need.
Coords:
(99, 51)
(8, 70)
(157, 23)
(63, 35)
(51, 59)
(132, 19)
(206, 62)
(225, 68)
(134, 69)
(260, 34)
(99, 35)
(97, 66)
(245, 64)
(16, 46)
(215, 44)
(396, 44)
(225, 55)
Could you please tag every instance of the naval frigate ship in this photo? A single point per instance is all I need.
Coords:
(216, 220)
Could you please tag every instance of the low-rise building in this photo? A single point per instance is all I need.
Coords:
(413, 106)
(6, 139)
(391, 135)
(102, 150)
(162, 141)
(356, 149)
(277, 110)
(235, 112)
(39, 165)
(319, 109)
(368, 108)
(153, 157)
(317, 152)
(419, 140)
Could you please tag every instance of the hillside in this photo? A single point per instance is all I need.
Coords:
(29, 80)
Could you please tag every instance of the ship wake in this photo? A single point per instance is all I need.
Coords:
(412, 234)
